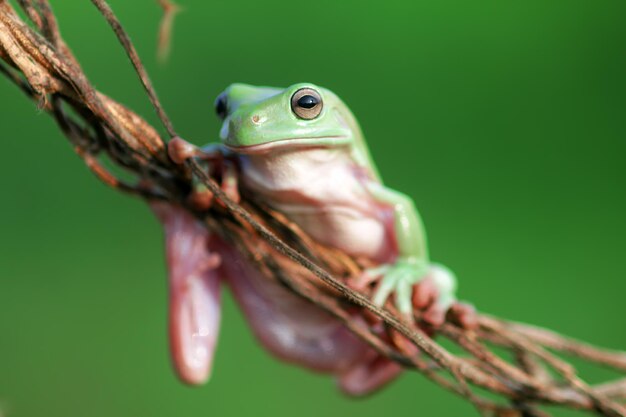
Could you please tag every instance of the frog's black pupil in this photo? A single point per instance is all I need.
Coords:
(307, 102)
(220, 107)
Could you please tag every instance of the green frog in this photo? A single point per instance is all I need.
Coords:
(301, 151)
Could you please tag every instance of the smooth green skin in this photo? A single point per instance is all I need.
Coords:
(335, 126)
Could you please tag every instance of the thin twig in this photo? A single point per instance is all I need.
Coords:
(552, 340)
(124, 39)
(615, 390)
(166, 26)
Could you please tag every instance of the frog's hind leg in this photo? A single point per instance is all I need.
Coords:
(194, 293)
(369, 375)
(432, 297)
(292, 329)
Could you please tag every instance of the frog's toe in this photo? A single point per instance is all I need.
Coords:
(463, 315)
(402, 297)
(398, 282)
(446, 283)
(434, 297)
(179, 150)
(387, 285)
(425, 294)
(433, 317)
(368, 277)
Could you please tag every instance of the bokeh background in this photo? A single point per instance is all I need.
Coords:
(504, 120)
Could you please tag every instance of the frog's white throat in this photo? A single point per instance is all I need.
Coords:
(292, 168)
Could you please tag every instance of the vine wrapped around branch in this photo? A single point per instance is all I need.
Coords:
(35, 58)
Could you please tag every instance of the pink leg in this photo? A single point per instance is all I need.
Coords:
(289, 327)
(368, 376)
(194, 293)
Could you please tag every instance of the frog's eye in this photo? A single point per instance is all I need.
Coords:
(306, 103)
(221, 106)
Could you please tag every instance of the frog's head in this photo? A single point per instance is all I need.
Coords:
(259, 119)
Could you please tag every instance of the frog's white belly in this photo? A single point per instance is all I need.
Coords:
(322, 191)
(340, 227)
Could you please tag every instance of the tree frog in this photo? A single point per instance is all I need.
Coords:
(301, 151)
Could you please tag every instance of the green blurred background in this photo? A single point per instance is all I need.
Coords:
(504, 120)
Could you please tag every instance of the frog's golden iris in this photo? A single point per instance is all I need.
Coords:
(307, 103)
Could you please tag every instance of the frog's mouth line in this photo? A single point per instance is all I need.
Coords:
(313, 142)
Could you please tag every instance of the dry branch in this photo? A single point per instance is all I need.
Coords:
(37, 60)
(166, 28)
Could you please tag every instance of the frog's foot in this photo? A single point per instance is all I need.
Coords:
(425, 289)
(179, 151)
(202, 198)
(398, 280)
(369, 375)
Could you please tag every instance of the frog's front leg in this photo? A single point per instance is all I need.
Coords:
(219, 164)
(411, 264)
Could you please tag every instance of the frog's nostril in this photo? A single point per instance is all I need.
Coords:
(257, 120)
